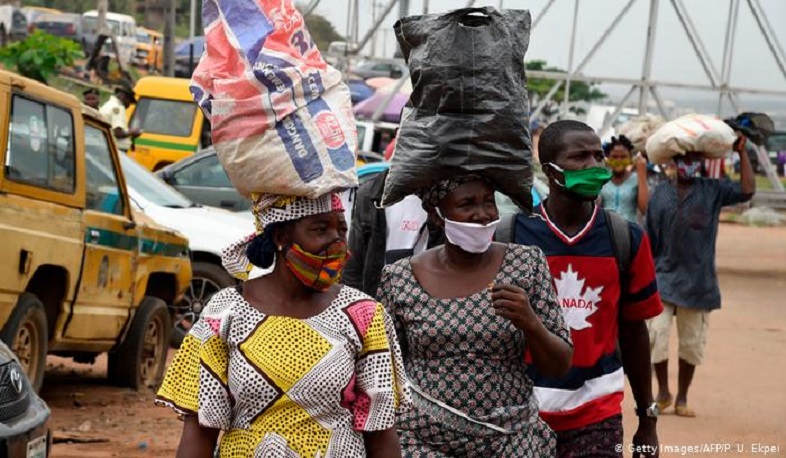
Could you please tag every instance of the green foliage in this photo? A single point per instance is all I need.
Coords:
(322, 31)
(40, 56)
(579, 90)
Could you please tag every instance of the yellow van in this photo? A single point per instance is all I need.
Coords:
(82, 272)
(149, 49)
(172, 125)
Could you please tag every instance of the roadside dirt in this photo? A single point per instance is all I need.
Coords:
(738, 392)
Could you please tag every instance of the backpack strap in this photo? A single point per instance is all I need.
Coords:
(619, 232)
(506, 229)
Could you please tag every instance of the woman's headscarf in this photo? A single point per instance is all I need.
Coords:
(271, 209)
(431, 197)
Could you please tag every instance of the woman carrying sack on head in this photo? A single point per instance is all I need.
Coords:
(291, 363)
(465, 313)
(627, 193)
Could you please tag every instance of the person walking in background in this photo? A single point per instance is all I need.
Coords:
(627, 193)
(682, 221)
(465, 312)
(92, 98)
(605, 281)
(114, 111)
(381, 236)
(289, 364)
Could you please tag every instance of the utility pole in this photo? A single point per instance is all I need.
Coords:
(425, 7)
(192, 20)
(169, 38)
(403, 8)
(374, 5)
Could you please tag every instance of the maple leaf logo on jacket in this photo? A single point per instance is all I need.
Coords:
(577, 302)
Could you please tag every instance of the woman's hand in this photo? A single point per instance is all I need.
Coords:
(512, 302)
(641, 163)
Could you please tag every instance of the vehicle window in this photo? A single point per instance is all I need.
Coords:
(40, 146)
(361, 129)
(206, 172)
(139, 180)
(382, 68)
(102, 189)
(164, 117)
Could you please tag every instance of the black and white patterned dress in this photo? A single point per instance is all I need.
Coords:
(459, 353)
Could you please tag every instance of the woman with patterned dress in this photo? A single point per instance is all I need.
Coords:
(465, 314)
(290, 364)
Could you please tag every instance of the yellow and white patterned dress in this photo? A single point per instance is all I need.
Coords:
(282, 387)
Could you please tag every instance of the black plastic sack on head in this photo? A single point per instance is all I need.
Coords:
(469, 109)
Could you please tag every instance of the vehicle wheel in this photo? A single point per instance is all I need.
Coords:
(139, 361)
(26, 334)
(207, 280)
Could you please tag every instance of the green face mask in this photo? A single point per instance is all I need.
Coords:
(584, 182)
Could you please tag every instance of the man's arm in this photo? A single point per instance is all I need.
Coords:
(747, 177)
(635, 348)
(358, 240)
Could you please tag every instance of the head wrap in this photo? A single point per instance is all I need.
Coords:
(270, 209)
(431, 197)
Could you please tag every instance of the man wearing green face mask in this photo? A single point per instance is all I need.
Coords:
(603, 302)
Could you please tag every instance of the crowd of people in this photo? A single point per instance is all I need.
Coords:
(434, 327)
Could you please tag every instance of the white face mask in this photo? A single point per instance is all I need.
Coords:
(470, 237)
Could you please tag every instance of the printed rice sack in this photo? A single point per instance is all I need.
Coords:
(281, 117)
(694, 132)
(639, 129)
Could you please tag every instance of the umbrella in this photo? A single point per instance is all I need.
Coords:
(359, 90)
(379, 81)
(404, 87)
(391, 113)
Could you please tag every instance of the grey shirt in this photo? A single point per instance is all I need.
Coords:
(683, 236)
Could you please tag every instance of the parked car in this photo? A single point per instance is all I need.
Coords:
(373, 137)
(13, 24)
(63, 25)
(172, 125)
(202, 179)
(187, 56)
(24, 417)
(82, 273)
(391, 68)
(209, 230)
(149, 49)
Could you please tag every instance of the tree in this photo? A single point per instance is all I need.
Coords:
(40, 56)
(322, 31)
(580, 91)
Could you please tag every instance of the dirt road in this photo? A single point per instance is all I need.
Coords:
(738, 392)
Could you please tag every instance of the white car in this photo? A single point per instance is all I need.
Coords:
(209, 230)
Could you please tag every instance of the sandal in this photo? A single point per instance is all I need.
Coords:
(684, 411)
(664, 404)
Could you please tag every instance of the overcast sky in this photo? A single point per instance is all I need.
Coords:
(622, 54)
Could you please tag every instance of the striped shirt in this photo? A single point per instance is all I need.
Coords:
(588, 286)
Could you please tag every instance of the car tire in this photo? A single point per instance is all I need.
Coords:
(26, 334)
(140, 360)
(207, 279)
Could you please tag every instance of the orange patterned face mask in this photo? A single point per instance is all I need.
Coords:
(318, 272)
